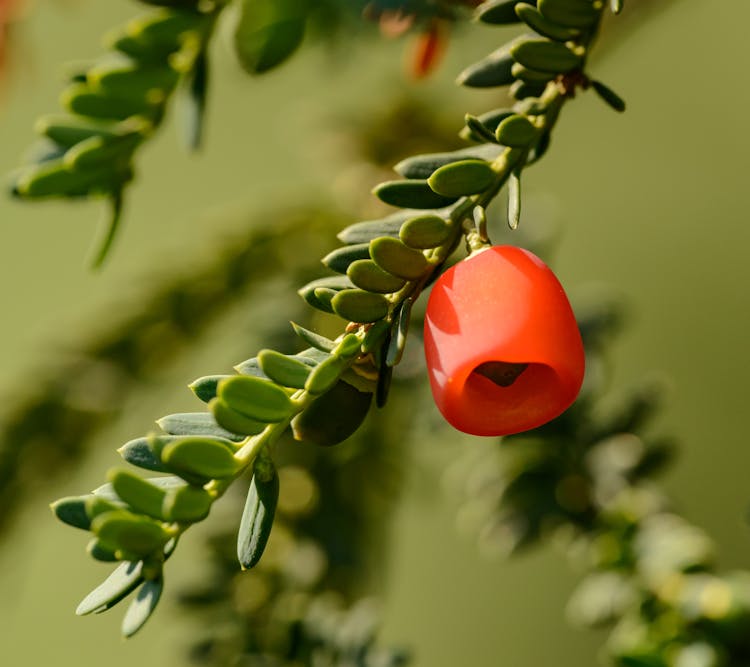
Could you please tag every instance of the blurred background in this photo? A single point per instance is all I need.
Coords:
(649, 205)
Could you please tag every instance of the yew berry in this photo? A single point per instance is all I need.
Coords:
(503, 350)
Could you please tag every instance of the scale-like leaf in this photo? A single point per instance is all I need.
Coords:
(256, 398)
(123, 581)
(283, 369)
(142, 606)
(146, 452)
(422, 166)
(72, 510)
(205, 387)
(316, 340)
(365, 231)
(332, 417)
(194, 423)
(198, 457)
(257, 517)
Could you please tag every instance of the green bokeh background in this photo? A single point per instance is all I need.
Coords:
(651, 204)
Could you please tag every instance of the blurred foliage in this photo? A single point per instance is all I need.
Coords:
(587, 482)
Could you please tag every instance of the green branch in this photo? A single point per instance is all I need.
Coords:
(325, 391)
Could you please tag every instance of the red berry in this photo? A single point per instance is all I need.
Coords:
(504, 353)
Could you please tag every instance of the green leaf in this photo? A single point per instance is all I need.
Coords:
(339, 260)
(107, 492)
(476, 130)
(98, 503)
(81, 99)
(411, 194)
(131, 80)
(258, 514)
(497, 12)
(196, 458)
(72, 510)
(95, 152)
(205, 387)
(493, 70)
(256, 398)
(367, 275)
(97, 551)
(187, 504)
(459, 179)
(422, 166)
(616, 6)
(425, 231)
(514, 199)
(146, 452)
(398, 336)
(364, 232)
(268, 32)
(397, 258)
(250, 367)
(282, 369)
(531, 16)
(516, 132)
(110, 224)
(332, 417)
(540, 148)
(520, 90)
(167, 27)
(121, 530)
(359, 306)
(194, 423)
(140, 49)
(325, 375)
(233, 421)
(67, 130)
(571, 13)
(53, 179)
(491, 119)
(609, 96)
(546, 56)
(349, 346)
(531, 75)
(314, 292)
(374, 336)
(313, 356)
(138, 493)
(121, 583)
(311, 338)
(142, 606)
(385, 375)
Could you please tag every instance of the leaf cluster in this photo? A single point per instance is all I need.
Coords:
(325, 391)
(117, 103)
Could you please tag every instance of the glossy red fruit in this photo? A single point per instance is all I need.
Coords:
(504, 353)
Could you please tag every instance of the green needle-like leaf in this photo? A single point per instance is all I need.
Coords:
(123, 581)
(142, 606)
